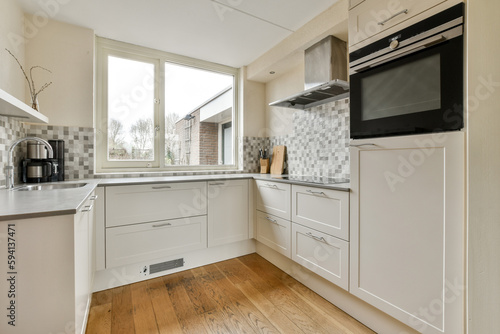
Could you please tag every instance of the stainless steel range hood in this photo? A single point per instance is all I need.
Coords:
(325, 76)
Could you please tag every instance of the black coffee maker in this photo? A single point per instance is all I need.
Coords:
(39, 168)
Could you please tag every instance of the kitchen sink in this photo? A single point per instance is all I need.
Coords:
(50, 186)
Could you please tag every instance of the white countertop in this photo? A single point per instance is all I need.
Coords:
(43, 203)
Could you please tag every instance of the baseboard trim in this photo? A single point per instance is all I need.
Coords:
(128, 274)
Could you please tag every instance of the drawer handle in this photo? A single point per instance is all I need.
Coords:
(217, 184)
(88, 208)
(94, 197)
(316, 192)
(162, 187)
(272, 186)
(274, 221)
(309, 234)
(160, 225)
(359, 145)
(404, 11)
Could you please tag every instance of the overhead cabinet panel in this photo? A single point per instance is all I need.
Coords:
(371, 17)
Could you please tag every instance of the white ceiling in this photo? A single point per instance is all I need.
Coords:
(229, 32)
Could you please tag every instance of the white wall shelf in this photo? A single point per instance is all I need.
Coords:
(12, 107)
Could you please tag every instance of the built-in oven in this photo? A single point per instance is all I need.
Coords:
(412, 81)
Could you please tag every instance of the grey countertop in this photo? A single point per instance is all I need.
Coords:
(43, 203)
(34, 204)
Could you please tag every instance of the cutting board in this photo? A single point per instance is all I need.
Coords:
(278, 164)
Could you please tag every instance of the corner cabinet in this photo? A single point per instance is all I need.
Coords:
(227, 212)
(407, 228)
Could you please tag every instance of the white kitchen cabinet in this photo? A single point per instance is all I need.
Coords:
(321, 253)
(274, 232)
(145, 242)
(273, 198)
(325, 210)
(146, 203)
(227, 211)
(53, 272)
(407, 224)
(84, 261)
(369, 18)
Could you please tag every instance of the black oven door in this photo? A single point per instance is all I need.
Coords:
(418, 93)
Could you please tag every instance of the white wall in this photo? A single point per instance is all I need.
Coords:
(11, 29)
(68, 51)
(253, 104)
(279, 120)
(484, 166)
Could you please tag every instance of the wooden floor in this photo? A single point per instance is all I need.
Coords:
(243, 295)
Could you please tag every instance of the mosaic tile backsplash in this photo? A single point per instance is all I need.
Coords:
(317, 146)
(319, 143)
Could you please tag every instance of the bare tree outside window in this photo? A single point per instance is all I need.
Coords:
(142, 139)
(116, 140)
(172, 141)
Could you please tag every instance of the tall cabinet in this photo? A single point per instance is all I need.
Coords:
(407, 237)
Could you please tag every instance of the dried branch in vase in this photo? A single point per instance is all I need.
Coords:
(31, 83)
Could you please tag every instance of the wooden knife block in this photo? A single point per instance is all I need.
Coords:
(265, 166)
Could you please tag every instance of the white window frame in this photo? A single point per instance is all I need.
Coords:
(106, 47)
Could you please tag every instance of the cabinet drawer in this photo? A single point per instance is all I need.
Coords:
(324, 210)
(144, 242)
(321, 253)
(273, 198)
(274, 232)
(127, 205)
(365, 18)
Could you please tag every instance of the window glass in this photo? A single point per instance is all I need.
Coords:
(130, 110)
(197, 103)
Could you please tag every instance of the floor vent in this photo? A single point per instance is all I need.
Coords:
(162, 266)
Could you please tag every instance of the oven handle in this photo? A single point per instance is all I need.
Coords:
(447, 35)
(400, 53)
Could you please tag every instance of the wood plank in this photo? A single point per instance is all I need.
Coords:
(144, 316)
(102, 297)
(201, 302)
(255, 318)
(293, 307)
(122, 318)
(166, 319)
(277, 318)
(99, 319)
(216, 322)
(238, 321)
(338, 318)
(188, 318)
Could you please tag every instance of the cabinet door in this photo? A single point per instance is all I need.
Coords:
(273, 198)
(146, 203)
(372, 17)
(324, 210)
(83, 263)
(321, 253)
(148, 241)
(407, 229)
(274, 232)
(227, 211)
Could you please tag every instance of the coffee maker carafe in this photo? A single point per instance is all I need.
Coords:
(38, 168)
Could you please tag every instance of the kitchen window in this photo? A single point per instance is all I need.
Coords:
(164, 112)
